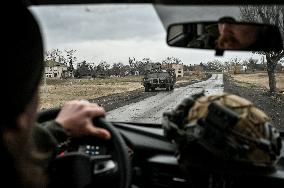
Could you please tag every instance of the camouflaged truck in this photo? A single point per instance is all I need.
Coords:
(159, 79)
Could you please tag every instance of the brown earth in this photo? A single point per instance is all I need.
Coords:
(114, 101)
(260, 79)
(271, 103)
(110, 93)
(58, 91)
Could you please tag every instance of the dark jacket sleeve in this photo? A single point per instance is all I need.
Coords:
(55, 130)
(47, 138)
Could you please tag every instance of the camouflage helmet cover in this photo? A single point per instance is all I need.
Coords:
(226, 125)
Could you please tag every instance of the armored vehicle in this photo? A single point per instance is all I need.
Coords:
(160, 79)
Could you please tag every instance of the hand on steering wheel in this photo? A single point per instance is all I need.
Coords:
(78, 170)
(76, 119)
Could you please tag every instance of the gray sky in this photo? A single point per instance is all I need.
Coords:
(115, 33)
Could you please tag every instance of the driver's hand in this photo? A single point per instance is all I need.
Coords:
(76, 118)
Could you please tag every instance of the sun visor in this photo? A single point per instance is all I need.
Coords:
(169, 14)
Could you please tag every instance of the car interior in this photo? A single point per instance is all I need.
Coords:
(139, 155)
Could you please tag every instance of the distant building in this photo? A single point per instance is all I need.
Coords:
(54, 69)
(244, 68)
(237, 69)
(178, 68)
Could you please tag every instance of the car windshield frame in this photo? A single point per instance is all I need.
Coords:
(160, 11)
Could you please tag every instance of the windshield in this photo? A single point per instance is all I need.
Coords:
(103, 53)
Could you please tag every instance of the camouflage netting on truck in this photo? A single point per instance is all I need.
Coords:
(217, 130)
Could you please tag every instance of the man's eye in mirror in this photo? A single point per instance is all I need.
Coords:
(225, 35)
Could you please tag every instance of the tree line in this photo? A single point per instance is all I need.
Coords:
(102, 69)
(249, 65)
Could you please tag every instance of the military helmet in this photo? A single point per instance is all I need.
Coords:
(227, 126)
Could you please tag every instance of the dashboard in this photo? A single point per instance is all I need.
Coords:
(154, 161)
(153, 157)
(93, 150)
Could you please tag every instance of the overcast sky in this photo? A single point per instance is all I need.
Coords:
(115, 33)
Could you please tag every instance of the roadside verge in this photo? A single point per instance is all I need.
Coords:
(117, 100)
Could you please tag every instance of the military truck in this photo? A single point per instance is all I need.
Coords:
(159, 79)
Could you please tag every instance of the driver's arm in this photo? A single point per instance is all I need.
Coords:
(74, 120)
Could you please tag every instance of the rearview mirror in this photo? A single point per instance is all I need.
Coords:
(225, 35)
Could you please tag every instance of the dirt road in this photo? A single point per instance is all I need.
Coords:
(150, 110)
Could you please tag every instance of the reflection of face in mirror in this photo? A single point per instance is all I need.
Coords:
(226, 34)
(237, 36)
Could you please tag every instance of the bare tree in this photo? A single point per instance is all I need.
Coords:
(252, 64)
(55, 55)
(83, 69)
(71, 58)
(117, 69)
(214, 65)
(103, 69)
(139, 65)
(271, 15)
(228, 65)
(171, 60)
(66, 57)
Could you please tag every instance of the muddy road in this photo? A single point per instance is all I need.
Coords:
(150, 110)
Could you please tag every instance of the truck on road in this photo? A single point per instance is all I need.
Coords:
(159, 79)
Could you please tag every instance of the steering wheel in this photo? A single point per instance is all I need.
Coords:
(75, 168)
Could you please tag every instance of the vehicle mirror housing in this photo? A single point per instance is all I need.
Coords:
(226, 34)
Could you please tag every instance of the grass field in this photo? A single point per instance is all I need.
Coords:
(260, 79)
(57, 91)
